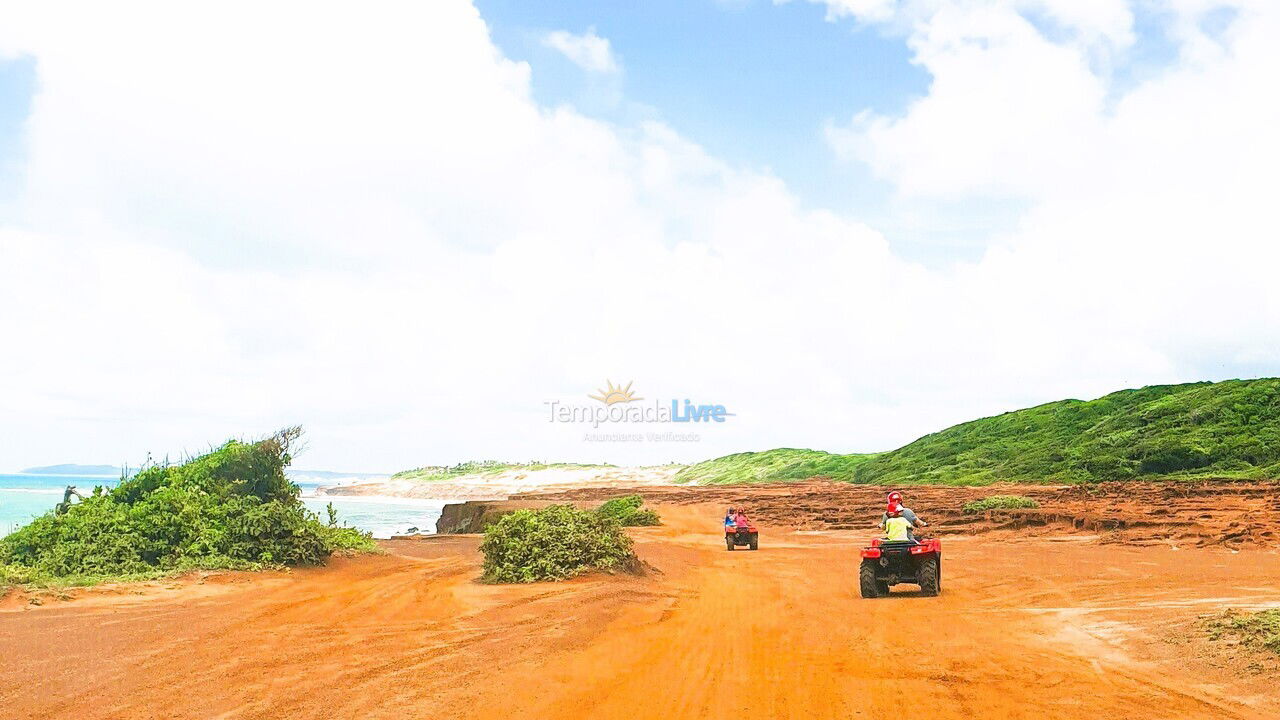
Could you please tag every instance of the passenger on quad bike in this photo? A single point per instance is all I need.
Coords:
(896, 527)
(728, 517)
(738, 531)
(899, 558)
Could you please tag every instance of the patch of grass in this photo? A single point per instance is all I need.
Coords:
(554, 543)
(1257, 630)
(629, 511)
(232, 508)
(18, 576)
(999, 502)
(438, 473)
(779, 465)
(12, 575)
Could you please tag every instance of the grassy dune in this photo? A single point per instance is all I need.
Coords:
(1227, 429)
(780, 465)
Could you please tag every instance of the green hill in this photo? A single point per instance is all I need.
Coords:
(778, 465)
(1225, 429)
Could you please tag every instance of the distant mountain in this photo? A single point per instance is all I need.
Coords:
(333, 474)
(72, 469)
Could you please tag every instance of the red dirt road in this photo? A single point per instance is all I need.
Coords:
(1050, 626)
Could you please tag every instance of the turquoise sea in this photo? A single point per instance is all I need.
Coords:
(23, 497)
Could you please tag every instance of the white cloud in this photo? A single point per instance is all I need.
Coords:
(374, 230)
(588, 50)
(1145, 199)
(1091, 19)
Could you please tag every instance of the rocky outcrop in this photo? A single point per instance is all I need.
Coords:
(473, 516)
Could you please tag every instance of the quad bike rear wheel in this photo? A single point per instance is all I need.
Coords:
(928, 576)
(867, 583)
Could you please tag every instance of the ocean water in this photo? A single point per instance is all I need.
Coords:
(23, 497)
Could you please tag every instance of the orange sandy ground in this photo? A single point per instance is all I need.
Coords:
(1028, 626)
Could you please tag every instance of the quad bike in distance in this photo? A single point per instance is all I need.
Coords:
(737, 535)
(886, 563)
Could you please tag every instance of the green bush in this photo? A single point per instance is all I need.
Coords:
(628, 511)
(231, 508)
(348, 540)
(554, 543)
(999, 502)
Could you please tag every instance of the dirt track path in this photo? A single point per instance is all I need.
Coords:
(1045, 628)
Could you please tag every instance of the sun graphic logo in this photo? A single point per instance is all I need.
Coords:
(613, 394)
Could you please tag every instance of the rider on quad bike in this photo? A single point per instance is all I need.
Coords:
(900, 558)
(739, 530)
(895, 498)
(896, 527)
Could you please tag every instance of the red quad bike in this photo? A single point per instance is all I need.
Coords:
(888, 563)
(738, 535)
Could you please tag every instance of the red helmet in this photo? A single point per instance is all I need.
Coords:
(895, 497)
(894, 509)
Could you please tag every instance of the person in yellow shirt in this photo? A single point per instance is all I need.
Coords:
(895, 498)
(896, 527)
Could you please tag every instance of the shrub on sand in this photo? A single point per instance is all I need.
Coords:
(628, 511)
(554, 543)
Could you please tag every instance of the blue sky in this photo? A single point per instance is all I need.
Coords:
(757, 83)
(17, 84)
(750, 81)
